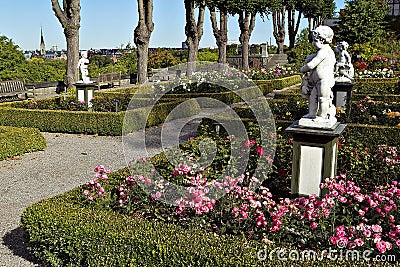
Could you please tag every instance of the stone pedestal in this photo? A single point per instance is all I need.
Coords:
(342, 92)
(85, 92)
(314, 157)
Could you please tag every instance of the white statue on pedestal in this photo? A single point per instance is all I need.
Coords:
(83, 67)
(344, 70)
(317, 86)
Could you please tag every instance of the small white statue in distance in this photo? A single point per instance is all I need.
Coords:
(83, 67)
(317, 85)
(344, 70)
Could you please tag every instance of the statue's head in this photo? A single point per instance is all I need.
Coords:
(344, 44)
(84, 54)
(323, 33)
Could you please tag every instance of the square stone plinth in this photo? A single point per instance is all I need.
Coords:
(314, 157)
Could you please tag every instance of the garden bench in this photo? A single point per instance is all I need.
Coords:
(109, 79)
(13, 90)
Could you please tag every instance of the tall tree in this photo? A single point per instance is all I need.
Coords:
(70, 18)
(317, 10)
(193, 30)
(246, 11)
(221, 32)
(294, 19)
(278, 20)
(142, 36)
(362, 21)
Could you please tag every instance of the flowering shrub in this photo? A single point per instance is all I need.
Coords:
(346, 216)
(99, 104)
(375, 112)
(93, 188)
(376, 67)
(271, 73)
(377, 73)
(371, 219)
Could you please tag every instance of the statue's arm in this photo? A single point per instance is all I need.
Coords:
(347, 56)
(313, 63)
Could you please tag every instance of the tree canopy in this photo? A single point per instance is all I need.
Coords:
(10, 54)
(362, 21)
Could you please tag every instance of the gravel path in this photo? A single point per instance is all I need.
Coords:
(67, 162)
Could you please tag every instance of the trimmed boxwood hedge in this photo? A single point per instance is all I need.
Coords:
(376, 86)
(62, 231)
(103, 123)
(17, 141)
(268, 86)
(67, 234)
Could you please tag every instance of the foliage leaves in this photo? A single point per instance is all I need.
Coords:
(362, 21)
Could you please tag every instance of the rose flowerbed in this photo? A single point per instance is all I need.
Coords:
(348, 216)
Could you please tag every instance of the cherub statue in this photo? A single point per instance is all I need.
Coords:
(83, 67)
(344, 70)
(317, 85)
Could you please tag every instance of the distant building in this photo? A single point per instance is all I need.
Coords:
(394, 7)
(42, 45)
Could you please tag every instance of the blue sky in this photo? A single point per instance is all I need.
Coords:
(110, 24)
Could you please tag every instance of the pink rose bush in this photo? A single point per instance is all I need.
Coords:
(346, 216)
(93, 188)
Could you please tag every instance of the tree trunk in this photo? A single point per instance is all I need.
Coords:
(194, 32)
(142, 36)
(70, 18)
(278, 18)
(72, 74)
(247, 22)
(293, 26)
(221, 34)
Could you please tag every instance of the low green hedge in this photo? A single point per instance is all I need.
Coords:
(62, 231)
(268, 86)
(376, 86)
(61, 234)
(17, 141)
(103, 123)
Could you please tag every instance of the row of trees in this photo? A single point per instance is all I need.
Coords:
(315, 10)
(361, 21)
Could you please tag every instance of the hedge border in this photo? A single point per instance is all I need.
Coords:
(102, 123)
(268, 86)
(17, 141)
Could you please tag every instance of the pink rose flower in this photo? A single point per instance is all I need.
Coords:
(376, 228)
(381, 246)
(314, 225)
(359, 242)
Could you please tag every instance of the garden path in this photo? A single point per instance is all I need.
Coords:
(67, 162)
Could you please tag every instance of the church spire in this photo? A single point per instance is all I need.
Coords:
(42, 45)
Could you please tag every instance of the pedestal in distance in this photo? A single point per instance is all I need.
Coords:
(85, 93)
(314, 157)
(342, 93)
